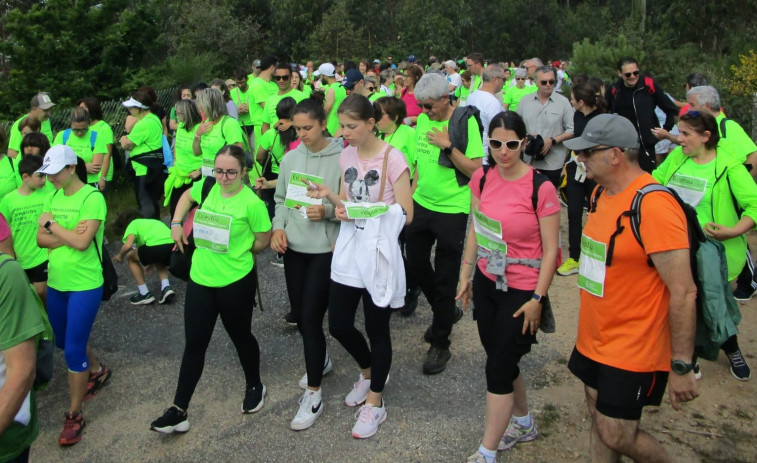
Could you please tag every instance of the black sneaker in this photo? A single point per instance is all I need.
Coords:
(427, 335)
(142, 299)
(458, 314)
(254, 399)
(436, 360)
(743, 295)
(290, 318)
(739, 368)
(411, 302)
(166, 295)
(172, 421)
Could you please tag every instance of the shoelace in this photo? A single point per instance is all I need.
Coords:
(365, 414)
(737, 359)
(359, 383)
(72, 422)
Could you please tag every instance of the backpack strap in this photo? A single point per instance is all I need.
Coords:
(383, 171)
(595, 197)
(66, 136)
(207, 185)
(649, 84)
(10, 161)
(538, 181)
(482, 182)
(722, 127)
(92, 139)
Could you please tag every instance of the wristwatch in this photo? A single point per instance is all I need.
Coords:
(47, 225)
(537, 297)
(680, 367)
(448, 150)
(554, 140)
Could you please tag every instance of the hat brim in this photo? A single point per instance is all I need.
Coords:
(51, 168)
(46, 106)
(579, 144)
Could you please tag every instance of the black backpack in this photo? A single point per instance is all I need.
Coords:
(181, 262)
(538, 180)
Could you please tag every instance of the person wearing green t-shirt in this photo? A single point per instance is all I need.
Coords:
(335, 94)
(516, 93)
(442, 202)
(40, 109)
(145, 145)
(260, 89)
(187, 165)
(21, 209)
(85, 142)
(104, 134)
(146, 242)
(241, 96)
(463, 91)
(475, 64)
(216, 130)
(71, 228)
(282, 76)
(229, 226)
(394, 132)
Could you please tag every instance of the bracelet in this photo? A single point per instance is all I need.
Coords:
(468, 263)
(176, 223)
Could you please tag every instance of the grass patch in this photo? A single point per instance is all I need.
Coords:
(548, 417)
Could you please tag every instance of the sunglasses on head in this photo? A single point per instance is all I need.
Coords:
(692, 113)
(426, 106)
(512, 145)
(548, 82)
(280, 77)
(629, 74)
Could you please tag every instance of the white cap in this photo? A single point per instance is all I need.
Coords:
(56, 159)
(325, 69)
(132, 103)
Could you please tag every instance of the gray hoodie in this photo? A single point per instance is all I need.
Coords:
(304, 235)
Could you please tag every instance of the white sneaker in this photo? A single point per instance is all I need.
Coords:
(359, 391)
(327, 367)
(368, 420)
(311, 407)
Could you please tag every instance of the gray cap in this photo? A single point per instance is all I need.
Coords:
(606, 129)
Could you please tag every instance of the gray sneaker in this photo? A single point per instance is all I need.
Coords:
(516, 433)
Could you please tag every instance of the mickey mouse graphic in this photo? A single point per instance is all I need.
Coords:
(358, 188)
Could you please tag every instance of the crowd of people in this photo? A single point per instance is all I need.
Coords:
(375, 182)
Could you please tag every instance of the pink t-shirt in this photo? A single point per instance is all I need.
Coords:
(5, 230)
(362, 178)
(509, 202)
(411, 104)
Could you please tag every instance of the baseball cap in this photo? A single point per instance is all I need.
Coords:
(42, 100)
(256, 63)
(56, 158)
(352, 77)
(606, 129)
(132, 103)
(412, 59)
(325, 69)
(377, 61)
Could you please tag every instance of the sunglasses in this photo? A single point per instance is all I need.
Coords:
(629, 74)
(371, 89)
(426, 106)
(277, 78)
(520, 78)
(548, 82)
(588, 152)
(512, 145)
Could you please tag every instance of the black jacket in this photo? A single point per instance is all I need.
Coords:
(646, 96)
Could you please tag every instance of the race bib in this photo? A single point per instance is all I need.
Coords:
(690, 189)
(488, 232)
(365, 210)
(296, 195)
(208, 165)
(592, 269)
(211, 231)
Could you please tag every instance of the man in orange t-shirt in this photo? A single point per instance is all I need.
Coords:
(636, 322)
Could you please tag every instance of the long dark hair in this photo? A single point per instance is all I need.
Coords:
(508, 120)
(284, 110)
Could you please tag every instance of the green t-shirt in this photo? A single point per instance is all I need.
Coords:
(22, 213)
(404, 140)
(147, 135)
(105, 133)
(376, 95)
(70, 269)
(271, 140)
(226, 131)
(9, 176)
(148, 232)
(736, 141)
(185, 156)
(83, 148)
(462, 93)
(269, 116)
(332, 121)
(20, 320)
(437, 185)
(476, 82)
(15, 137)
(307, 89)
(248, 215)
(239, 98)
(260, 91)
(693, 182)
(515, 94)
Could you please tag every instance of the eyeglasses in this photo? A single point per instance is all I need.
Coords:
(426, 106)
(371, 89)
(231, 174)
(512, 145)
(277, 78)
(548, 82)
(629, 74)
(588, 152)
(520, 78)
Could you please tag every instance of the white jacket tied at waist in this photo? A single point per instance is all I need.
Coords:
(367, 255)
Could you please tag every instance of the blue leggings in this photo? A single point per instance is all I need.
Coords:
(72, 314)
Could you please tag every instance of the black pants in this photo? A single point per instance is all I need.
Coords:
(343, 302)
(148, 193)
(201, 309)
(745, 281)
(23, 457)
(647, 158)
(578, 194)
(439, 283)
(308, 282)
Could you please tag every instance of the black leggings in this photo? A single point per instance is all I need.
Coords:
(148, 193)
(201, 309)
(578, 193)
(343, 302)
(307, 278)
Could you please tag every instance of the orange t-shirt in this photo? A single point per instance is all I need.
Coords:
(627, 327)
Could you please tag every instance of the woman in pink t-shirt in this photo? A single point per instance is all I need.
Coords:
(413, 74)
(362, 165)
(512, 249)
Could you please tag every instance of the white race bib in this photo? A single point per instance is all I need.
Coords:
(364, 210)
(208, 165)
(488, 232)
(690, 189)
(211, 231)
(592, 269)
(296, 195)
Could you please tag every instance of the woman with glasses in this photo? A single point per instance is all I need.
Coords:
(516, 93)
(413, 74)
(86, 143)
(216, 130)
(506, 272)
(187, 167)
(233, 224)
(724, 196)
(393, 131)
(372, 87)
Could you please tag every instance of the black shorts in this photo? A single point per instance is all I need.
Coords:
(37, 274)
(620, 393)
(160, 254)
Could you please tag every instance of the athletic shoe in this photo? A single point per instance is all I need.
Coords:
(166, 295)
(436, 360)
(359, 392)
(172, 421)
(72, 428)
(327, 367)
(744, 295)
(142, 299)
(368, 420)
(697, 372)
(516, 433)
(310, 409)
(569, 267)
(477, 457)
(411, 301)
(278, 260)
(739, 368)
(254, 399)
(290, 319)
(97, 381)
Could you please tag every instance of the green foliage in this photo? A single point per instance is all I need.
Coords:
(744, 76)
(600, 59)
